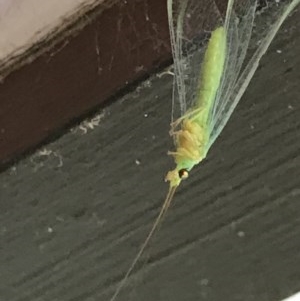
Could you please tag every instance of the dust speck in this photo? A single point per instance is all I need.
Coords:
(89, 124)
(241, 234)
(45, 155)
(13, 170)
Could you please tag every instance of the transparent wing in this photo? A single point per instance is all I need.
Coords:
(190, 23)
(238, 25)
(238, 75)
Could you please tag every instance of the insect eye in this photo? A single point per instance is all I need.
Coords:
(183, 174)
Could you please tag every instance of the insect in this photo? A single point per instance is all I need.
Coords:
(213, 64)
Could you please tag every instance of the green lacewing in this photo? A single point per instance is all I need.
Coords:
(213, 64)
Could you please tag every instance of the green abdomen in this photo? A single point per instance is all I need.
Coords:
(211, 73)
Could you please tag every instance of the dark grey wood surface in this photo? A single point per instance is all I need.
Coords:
(73, 215)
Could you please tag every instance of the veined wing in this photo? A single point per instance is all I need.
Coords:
(190, 24)
(238, 25)
(229, 97)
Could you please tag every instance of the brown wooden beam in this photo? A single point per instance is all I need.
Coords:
(119, 46)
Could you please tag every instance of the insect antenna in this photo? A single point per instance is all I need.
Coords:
(158, 220)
